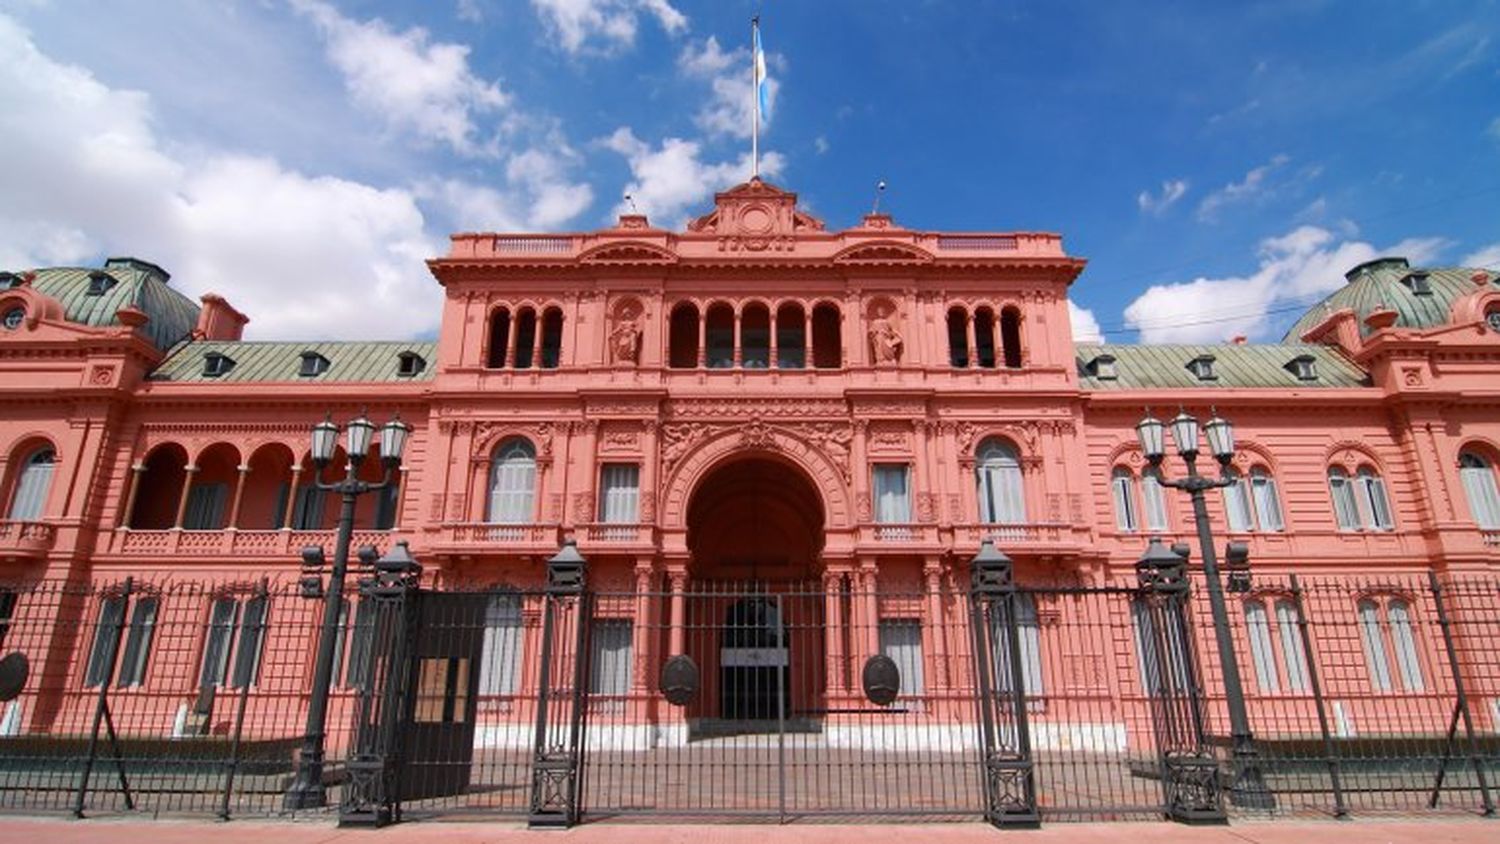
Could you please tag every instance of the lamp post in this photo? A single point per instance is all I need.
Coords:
(306, 790)
(1248, 788)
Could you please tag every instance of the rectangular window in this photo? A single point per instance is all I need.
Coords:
(1258, 626)
(1370, 636)
(361, 640)
(307, 512)
(1030, 640)
(386, 501)
(252, 632)
(1153, 500)
(1267, 503)
(236, 632)
(500, 664)
(106, 639)
(1404, 643)
(1376, 504)
(892, 494)
(619, 493)
(1292, 651)
(610, 673)
(1162, 653)
(1125, 516)
(1345, 508)
(205, 507)
(7, 614)
(901, 640)
(138, 643)
(1237, 505)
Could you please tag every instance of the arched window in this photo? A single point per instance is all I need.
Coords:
(1359, 503)
(552, 331)
(1122, 484)
(755, 336)
(791, 336)
(30, 499)
(1002, 499)
(1345, 504)
(1010, 337)
(683, 337)
(1372, 498)
(1479, 487)
(718, 336)
(984, 337)
(499, 338)
(525, 339)
(958, 337)
(1276, 646)
(1253, 503)
(1153, 500)
(512, 483)
(827, 337)
(1385, 628)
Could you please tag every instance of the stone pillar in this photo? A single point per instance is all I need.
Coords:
(291, 498)
(702, 338)
(677, 638)
(739, 352)
(935, 624)
(775, 360)
(182, 501)
(536, 342)
(807, 337)
(641, 640)
(136, 471)
(239, 497)
(511, 332)
(833, 633)
(870, 615)
(972, 330)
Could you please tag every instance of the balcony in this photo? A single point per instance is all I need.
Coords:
(616, 533)
(261, 544)
(25, 541)
(476, 537)
(898, 535)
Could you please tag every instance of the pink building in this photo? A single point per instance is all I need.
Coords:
(758, 400)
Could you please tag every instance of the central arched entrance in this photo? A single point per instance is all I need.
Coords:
(755, 533)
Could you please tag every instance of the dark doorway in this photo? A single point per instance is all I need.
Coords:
(754, 663)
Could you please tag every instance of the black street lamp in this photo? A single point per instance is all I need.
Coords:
(1249, 786)
(307, 791)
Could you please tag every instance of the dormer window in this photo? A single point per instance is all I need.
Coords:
(1305, 367)
(1492, 317)
(1103, 368)
(410, 364)
(216, 364)
(1418, 283)
(1202, 367)
(9, 280)
(313, 365)
(100, 282)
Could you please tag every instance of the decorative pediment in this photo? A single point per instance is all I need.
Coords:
(627, 252)
(755, 210)
(882, 252)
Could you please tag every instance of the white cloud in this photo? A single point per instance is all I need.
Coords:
(469, 10)
(1488, 257)
(1085, 326)
(666, 181)
(292, 250)
(1171, 191)
(1251, 187)
(416, 85)
(577, 23)
(730, 104)
(1294, 269)
(820, 143)
(1494, 129)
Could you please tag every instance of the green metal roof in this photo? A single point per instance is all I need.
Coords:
(348, 362)
(137, 283)
(1262, 365)
(1378, 283)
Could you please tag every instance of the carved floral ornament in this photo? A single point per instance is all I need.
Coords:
(488, 435)
(833, 438)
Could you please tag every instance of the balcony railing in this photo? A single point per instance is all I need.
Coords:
(1031, 532)
(25, 539)
(238, 543)
(479, 534)
(618, 533)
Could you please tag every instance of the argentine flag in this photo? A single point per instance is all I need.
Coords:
(762, 86)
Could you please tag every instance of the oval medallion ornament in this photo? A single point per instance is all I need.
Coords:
(679, 680)
(882, 680)
(13, 671)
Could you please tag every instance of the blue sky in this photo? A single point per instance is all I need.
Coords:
(1220, 165)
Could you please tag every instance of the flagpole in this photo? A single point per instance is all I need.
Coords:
(754, 98)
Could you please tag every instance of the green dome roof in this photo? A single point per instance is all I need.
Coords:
(1393, 283)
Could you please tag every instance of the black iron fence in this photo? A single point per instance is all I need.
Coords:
(945, 696)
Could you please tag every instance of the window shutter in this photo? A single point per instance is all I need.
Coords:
(1345, 511)
(611, 657)
(499, 667)
(1292, 652)
(138, 643)
(217, 640)
(1369, 635)
(1259, 628)
(111, 613)
(1154, 500)
(901, 640)
(1405, 644)
(1125, 516)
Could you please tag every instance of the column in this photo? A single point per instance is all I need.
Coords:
(510, 338)
(536, 342)
(807, 336)
(775, 344)
(640, 633)
(833, 634)
(935, 624)
(187, 485)
(239, 496)
(291, 499)
(739, 355)
(972, 330)
(677, 638)
(702, 338)
(870, 615)
(136, 470)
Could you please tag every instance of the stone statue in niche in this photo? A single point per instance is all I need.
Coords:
(625, 337)
(885, 340)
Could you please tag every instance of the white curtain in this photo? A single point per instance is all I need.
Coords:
(1259, 628)
(1125, 516)
(1267, 502)
(1345, 508)
(500, 662)
(1002, 499)
(892, 495)
(1404, 641)
(1292, 653)
(611, 657)
(1237, 503)
(1153, 500)
(512, 483)
(1372, 490)
(1369, 635)
(901, 640)
(619, 493)
(1030, 640)
(1479, 486)
(30, 499)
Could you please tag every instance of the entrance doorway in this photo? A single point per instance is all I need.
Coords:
(754, 663)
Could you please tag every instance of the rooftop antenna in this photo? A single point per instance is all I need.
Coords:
(879, 191)
(631, 200)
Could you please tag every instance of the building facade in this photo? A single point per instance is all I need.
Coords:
(755, 400)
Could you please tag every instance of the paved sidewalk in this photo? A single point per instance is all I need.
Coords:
(1463, 831)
